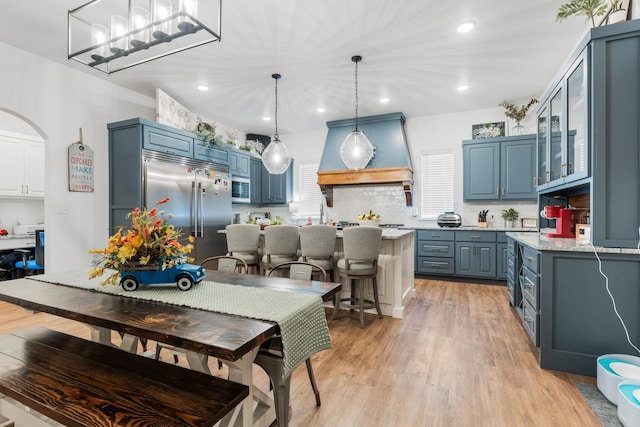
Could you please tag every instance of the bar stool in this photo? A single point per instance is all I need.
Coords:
(280, 245)
(360, 262)
(243, 241)
(317, 246)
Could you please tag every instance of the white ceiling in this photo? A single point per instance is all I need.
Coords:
(412, 54)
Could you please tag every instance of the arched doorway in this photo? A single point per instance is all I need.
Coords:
(22, 190)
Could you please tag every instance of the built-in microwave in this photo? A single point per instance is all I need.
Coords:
(240, 190)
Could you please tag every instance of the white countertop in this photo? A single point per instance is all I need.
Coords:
(17, 241)
(542, 242)
(387, 233)
(471, 228)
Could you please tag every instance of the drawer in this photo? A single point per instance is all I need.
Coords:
(511, 246)
(531, 258)
(435, 248)
(511, 291)
(501, 237)
(511, 267)
(530, 321)
(530, 286)
(447, 235)
(476, 236)
(434, 265)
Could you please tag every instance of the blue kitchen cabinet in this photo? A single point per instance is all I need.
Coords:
(563, 136)
(255, 188)
(212, 154)
(475, 254)
(435, 252)
(277, 189)
(239, 163)
(167, 140)
(500, 169)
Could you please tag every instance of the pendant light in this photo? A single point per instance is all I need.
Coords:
(275, 157)
(356, 151)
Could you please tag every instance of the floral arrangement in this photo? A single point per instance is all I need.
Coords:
(517, 114)
(369, 216)
(150, 241)
(208, 132)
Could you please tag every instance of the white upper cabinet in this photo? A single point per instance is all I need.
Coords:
(21, 166)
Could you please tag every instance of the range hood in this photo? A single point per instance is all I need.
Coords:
(390, 165)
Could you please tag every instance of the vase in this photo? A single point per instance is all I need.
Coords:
(508, 223)
(616, 16)
(518, 129)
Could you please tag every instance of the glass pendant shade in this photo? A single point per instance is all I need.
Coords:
(275, 157)
(356, 151)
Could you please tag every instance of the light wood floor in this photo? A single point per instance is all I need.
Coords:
(459, 358)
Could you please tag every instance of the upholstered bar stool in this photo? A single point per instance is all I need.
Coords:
(360, 262)
(317, 245)
(280, 245)
(243, 241)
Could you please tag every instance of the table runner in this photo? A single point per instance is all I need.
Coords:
(301, 317)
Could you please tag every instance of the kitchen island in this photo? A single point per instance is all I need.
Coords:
(562, 299)
(395, 270)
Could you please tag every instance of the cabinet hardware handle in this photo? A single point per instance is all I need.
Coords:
(563, 166)
(27, 188)
(529, 258)
(548, 173)
(569, 168)
(435, 265)
(528, 319)
(475, 237)
(435, 249)
(497, 191)
(502, 191)
(535, 182)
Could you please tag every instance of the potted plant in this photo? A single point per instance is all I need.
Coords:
(587, 8)
(517, 114)
(208, 132)
(510, 215)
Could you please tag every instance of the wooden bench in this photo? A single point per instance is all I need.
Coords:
(82, 383)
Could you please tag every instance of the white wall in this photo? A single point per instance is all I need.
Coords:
(57, 101)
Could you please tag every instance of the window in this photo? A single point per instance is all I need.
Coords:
(310, 195)
(436, 184)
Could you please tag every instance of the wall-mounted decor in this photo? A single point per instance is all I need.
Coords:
(80, 167)
(529, 223)
(487, 130)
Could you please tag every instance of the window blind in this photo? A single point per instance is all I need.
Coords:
(436, 178)
(310, 194)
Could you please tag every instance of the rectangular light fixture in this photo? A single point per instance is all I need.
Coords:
(113, 35)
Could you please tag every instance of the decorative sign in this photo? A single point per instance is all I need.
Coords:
(80, 167)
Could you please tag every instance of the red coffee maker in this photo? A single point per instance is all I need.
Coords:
(566, 219)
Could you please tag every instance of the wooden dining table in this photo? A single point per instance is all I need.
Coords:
(233, 339)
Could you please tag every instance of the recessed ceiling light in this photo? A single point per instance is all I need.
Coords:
(202, 88)
(465, 27)
(384, 100)
(320, 110)
(462, 87)
(266, 118)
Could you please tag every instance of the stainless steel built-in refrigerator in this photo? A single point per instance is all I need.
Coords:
(200, 198)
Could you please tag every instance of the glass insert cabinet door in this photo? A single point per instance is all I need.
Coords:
(540, 179)
(556, 161)
(576, 154)
(563, 140)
